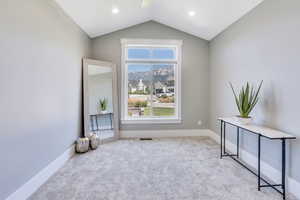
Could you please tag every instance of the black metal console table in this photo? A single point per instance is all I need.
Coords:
(260, 131)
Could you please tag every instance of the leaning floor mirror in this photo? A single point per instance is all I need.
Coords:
(100, 100)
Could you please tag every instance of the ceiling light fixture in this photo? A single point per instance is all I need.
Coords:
(192, 13)
(115, 10)
(146, 3)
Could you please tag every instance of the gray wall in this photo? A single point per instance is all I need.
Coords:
(263, 45)
(194, 69)
(40, 85)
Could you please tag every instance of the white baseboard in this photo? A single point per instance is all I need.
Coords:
(267, 170)
(164, 133)
(26, 190)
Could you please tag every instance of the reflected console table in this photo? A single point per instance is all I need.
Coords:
(260, 131)
(101, 122)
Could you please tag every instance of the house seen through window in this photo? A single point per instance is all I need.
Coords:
(151, 81)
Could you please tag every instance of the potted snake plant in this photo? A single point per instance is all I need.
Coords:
(103, 105)
(246, 100)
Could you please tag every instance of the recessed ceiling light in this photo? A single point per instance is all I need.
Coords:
(192, 13)
(115, 10)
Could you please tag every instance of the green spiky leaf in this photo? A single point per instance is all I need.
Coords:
(246, 99)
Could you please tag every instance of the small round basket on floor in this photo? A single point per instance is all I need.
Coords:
(94, 141)
(82, 145)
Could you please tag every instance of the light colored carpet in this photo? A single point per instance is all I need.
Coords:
(162, 169)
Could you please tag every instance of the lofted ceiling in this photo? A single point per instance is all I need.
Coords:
(202, 18)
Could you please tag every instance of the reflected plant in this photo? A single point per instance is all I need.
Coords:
(103, 104)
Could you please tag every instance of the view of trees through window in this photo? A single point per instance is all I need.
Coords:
(151, 81)
(151, 90)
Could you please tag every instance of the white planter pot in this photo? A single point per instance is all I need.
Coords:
(103, 111)
(94, 141)
(243, 120)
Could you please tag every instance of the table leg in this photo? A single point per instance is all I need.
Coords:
(97, 129)
(221, 144)
(224, 130)
(283, 168)
(111, 125)
(238, 142)
(258, 168)
(92, 123)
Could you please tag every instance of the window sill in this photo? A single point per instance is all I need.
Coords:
(151, 121)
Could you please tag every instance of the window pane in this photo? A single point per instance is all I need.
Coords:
(139, 90)
(163, 53)
(151, 53)
(163, 90)
(139, 53)
(151, 90)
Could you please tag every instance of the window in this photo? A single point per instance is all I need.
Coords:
(151, 81)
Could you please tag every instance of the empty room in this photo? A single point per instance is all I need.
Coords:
(149, 100)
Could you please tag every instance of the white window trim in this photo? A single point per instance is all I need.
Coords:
(124, 87)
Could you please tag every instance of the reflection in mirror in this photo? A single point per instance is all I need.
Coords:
(99, 95)
(100, 100)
